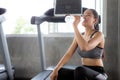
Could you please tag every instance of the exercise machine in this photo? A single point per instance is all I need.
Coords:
(49, 17)
(55, 15)
(6, 69)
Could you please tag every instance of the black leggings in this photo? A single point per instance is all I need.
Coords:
(82, 73)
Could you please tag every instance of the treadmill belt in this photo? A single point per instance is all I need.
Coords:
(43, 75)
(3, 72)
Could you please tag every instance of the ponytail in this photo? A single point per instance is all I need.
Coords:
(96, 26)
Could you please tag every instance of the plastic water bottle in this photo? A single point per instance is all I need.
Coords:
(69, 19)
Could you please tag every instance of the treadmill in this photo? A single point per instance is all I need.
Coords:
(35, 20)
(6, 69)
(49, 17)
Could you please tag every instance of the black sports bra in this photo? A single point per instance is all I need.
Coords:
(94, 53)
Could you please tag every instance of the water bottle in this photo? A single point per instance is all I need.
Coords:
(69, 19)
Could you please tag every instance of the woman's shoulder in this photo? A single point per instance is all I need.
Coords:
(100, 34)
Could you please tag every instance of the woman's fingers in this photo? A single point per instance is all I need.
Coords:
(77, 20)
(53, 77)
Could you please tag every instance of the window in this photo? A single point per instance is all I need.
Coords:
(19, 13)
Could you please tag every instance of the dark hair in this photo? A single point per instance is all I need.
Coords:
(96, 16)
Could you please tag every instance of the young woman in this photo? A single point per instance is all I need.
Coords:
(90, 46)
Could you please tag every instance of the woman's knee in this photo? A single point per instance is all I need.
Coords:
(65, 74)
(80, 69)
(80, 73)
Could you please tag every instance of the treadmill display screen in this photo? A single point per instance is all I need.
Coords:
(70, 7)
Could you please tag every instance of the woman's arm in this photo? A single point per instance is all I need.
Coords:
(82, 43)
(67, 55)
(64, 60)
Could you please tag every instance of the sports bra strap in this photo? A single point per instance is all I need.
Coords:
(93, 34)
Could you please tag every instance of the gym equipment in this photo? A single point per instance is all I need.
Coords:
(70, 7)
(6, 70)
(49, 17)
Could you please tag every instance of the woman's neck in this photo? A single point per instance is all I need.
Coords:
(89, 31)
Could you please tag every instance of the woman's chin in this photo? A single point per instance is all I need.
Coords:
(83, 24)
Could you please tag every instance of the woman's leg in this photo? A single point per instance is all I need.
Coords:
(65, 74)
(85, 73)
(101, 77)
(81, 73)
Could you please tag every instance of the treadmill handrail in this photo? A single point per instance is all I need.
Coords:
(38, 20)
(4, 47)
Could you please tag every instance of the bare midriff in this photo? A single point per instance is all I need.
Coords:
(92, 62)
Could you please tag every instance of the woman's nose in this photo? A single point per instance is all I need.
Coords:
(83, 16)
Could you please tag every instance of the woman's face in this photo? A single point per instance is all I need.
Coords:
(89, 19)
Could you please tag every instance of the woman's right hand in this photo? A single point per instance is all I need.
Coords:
(76, 21)
(54, 75)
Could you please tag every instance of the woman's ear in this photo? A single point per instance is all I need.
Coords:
(96, 20)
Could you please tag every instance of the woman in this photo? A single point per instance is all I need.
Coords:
(90, 46)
